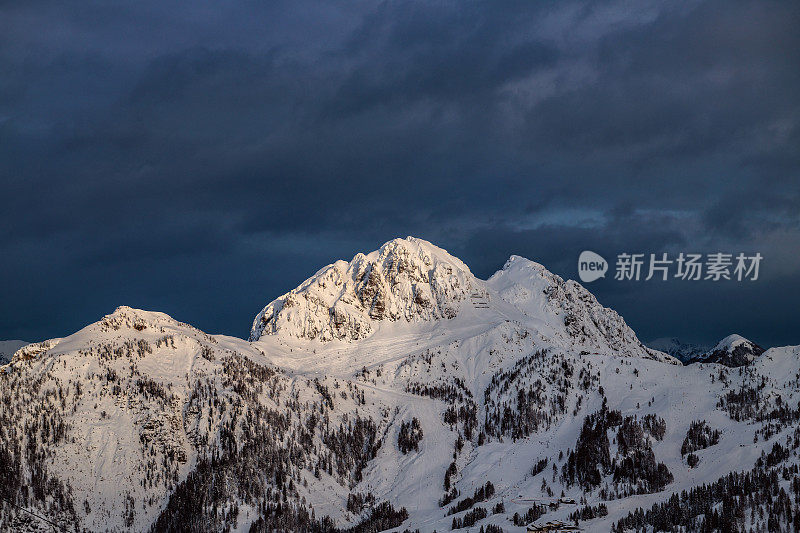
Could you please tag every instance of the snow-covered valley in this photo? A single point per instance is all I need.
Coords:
(393, 392)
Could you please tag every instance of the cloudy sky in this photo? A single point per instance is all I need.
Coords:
(203, 158)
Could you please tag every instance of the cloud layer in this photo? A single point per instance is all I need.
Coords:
(204, 159)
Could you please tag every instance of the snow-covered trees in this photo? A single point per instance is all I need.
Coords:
(634, 470)
(699, 436)
(410, 436)
(481, 494)
(721, 506)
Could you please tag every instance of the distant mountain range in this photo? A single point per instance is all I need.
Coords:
(397, 391)
(733, 350)
(682, 351)
(7, 349)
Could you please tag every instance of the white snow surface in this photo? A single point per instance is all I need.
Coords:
(405, 315)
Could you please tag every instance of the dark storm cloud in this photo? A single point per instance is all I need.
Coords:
(204, 159)
(623, 230)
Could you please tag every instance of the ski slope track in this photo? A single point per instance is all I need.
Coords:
(139, 422)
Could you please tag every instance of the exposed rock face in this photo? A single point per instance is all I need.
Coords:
(31, 351)
(589, 322)
(406, 279)
(733, 350)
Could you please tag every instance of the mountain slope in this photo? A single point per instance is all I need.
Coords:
(114, 418)
(140, 422)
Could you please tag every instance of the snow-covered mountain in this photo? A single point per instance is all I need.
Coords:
(7, 349)
(395, 391)
(683, 351)
(412, 281)
(734, 350)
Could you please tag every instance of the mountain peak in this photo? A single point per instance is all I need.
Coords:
(730, 342)
(565, 311)
(734, 350)
(405, 279)
(425, 250)
(517, 261)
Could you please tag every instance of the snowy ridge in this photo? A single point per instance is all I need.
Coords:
(410, 280)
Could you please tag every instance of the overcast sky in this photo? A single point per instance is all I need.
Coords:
(203, 158)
